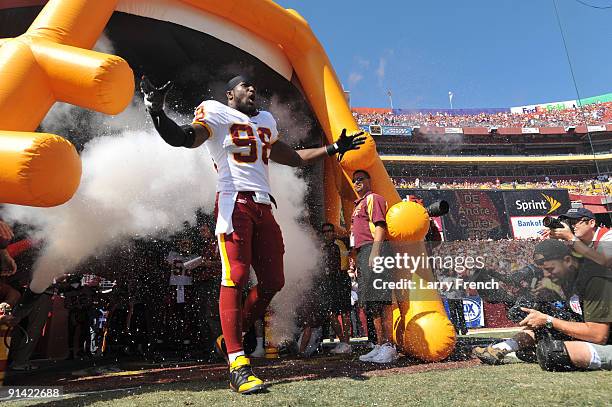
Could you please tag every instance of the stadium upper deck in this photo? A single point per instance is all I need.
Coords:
(549, 118)
(527, 141)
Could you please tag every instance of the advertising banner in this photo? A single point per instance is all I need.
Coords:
(494, 214)
(473, 214)
(526, 227)
(453, 130)
(396, 131)
(545, 107)
(597, 99)
(533, 202)
(596, 128)
(376, 130)
(473, 311)
(530, 130)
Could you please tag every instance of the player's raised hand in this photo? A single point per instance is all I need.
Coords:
(347, 143)
(154, 98)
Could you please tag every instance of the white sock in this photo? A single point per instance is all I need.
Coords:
(233, 356)
(509, 344)
(260, 341)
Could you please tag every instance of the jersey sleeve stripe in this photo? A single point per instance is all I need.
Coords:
(208, 127)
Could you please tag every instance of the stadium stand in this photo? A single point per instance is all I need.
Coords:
(594, 114)
(578, 187)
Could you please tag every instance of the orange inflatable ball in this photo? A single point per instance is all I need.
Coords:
(428, 336)
(361, 159)
(37, 169)
(407, 221)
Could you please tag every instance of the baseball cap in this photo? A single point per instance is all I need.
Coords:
(577, 213)
(550, 249)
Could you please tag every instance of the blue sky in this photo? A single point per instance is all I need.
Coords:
(489, 53)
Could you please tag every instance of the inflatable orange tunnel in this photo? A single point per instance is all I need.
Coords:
(52, 61)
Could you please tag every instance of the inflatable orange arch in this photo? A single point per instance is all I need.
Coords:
(52, 61)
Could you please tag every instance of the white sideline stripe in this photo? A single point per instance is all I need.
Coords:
(188, 16)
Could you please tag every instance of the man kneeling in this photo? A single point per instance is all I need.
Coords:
(585, 345)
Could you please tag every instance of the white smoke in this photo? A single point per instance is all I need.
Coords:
(302, 253)
(135, 184)
(293, 125)
(105, 45)
(445, 143)
(132, 184)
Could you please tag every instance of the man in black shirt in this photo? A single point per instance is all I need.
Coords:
(590, 343)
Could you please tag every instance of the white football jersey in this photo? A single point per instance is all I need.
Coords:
(239, 145)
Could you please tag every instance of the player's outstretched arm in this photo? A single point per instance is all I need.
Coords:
(188, 135)
(284, 154)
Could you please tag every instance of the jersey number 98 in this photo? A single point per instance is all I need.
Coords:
(239, 130)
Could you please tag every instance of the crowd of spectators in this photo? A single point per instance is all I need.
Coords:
(141, 298)
(593, 114)
(151, 297)
(505, 260)
(581, 187)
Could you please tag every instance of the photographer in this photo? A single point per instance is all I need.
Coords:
(584, 345)
(588, 238)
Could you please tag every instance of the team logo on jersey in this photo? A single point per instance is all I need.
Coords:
(199, 114)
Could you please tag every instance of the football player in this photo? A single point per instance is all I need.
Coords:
(241, 139)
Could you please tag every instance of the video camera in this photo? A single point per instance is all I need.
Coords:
(530, 273)
(438, 208)
(435, 209)
(556, 309)
(552, 223)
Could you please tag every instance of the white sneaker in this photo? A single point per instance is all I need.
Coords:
(313, 344)
(258, 353)
(342, 348)
(386, 354)
(368, 356)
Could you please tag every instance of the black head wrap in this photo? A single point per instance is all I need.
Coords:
(237, 80)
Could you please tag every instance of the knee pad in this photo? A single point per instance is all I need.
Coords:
(552, 356)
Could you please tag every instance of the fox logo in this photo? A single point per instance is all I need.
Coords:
(554, 204)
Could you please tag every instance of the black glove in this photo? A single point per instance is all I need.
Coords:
(346, 143)
(154, 98)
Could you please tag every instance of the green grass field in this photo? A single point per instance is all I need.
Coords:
(514, 384)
